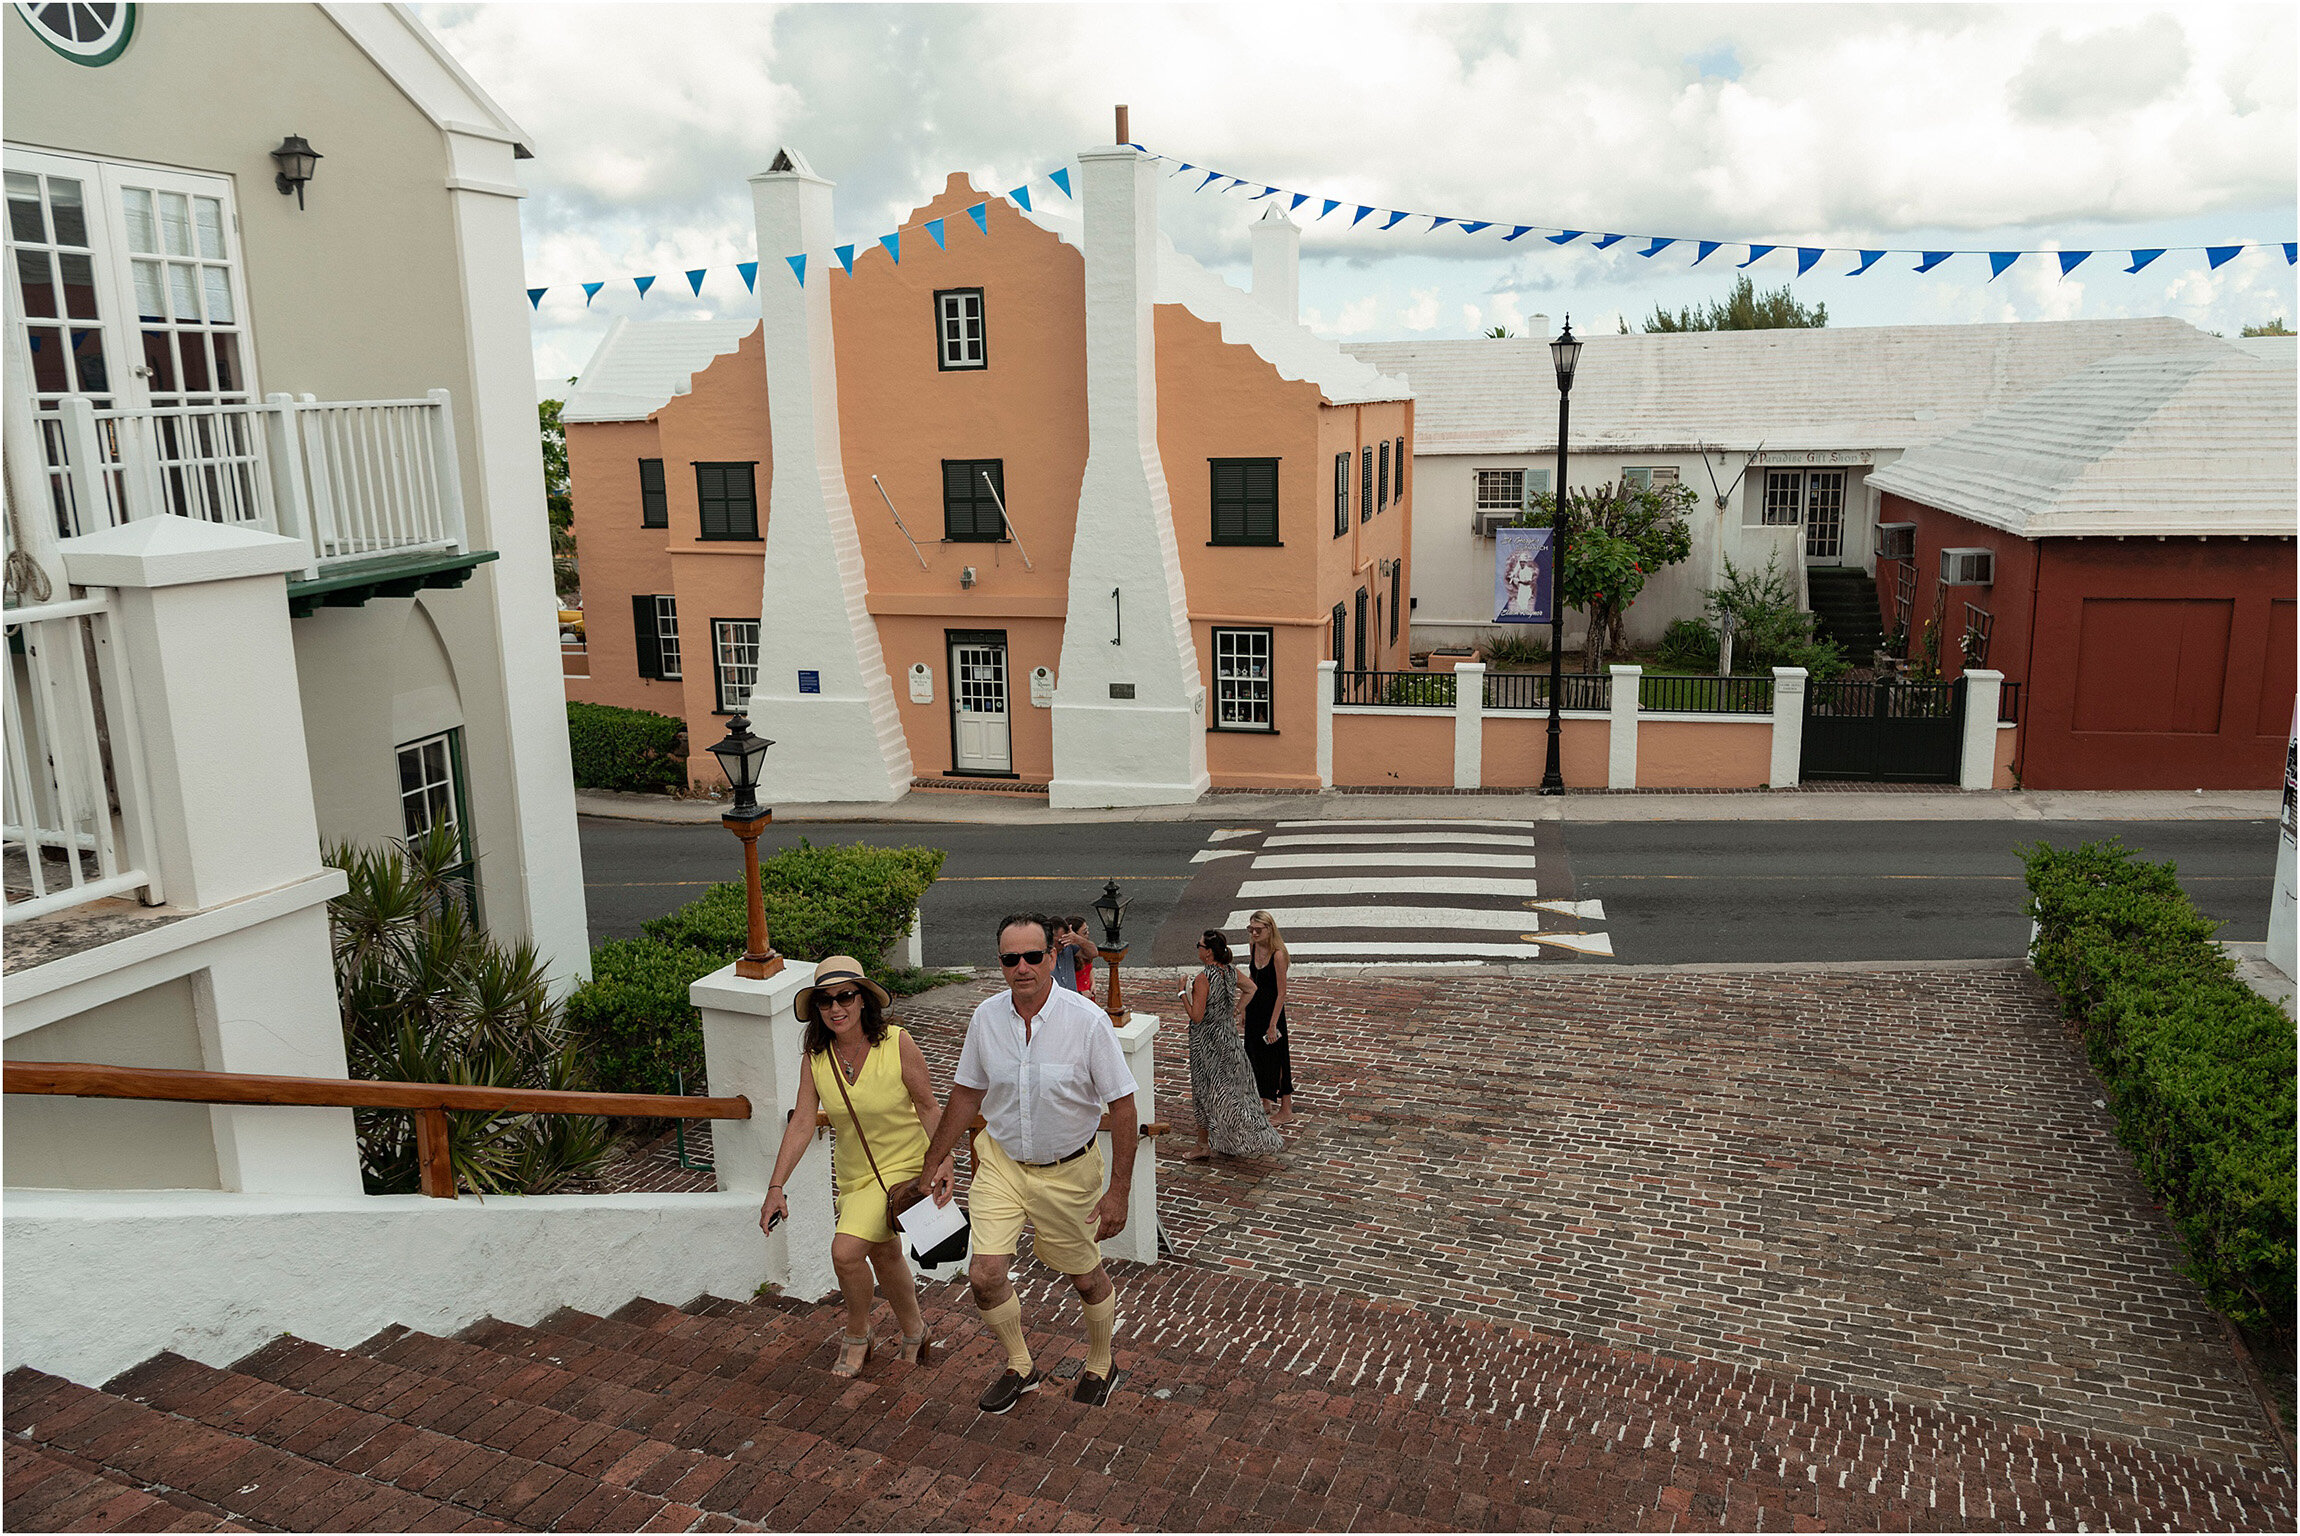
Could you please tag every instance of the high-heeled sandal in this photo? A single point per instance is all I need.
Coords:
(915, 1349)
(848, 1343)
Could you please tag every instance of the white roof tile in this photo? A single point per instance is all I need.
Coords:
(2202, 440)
(1860, 387)
(639, 368)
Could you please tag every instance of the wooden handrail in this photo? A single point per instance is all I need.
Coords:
(430, 1101)
(978, 1124)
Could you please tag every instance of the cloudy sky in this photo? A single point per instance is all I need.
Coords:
(1972, 127)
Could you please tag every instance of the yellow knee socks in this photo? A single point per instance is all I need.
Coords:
(1005, 1320)
(1101, 1322)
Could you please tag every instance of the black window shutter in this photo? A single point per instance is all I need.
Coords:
(1341, 624)
(742, 515)
(1399, 490)
(1341, 497)
(643, 631)
(1382, 481)
(1261, 500)
(1366, 485)
(1359, 653)
(654, 505)
(987, 521)
(1397, 578)
(1229, 501)
(711, 499)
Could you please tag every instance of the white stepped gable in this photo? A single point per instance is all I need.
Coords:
(640, 368)
(1288, 346)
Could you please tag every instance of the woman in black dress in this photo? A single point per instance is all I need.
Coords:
(1268, 1046)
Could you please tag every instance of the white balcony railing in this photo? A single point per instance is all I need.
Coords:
(78, 824)
(354, 480)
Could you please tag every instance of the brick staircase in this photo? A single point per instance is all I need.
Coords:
(1246, 1405)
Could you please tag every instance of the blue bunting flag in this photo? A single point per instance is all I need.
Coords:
(2220, 255)
(535, 297)
(1331, 204)
(1475, 225)
(1758, 253)
(1868, 260)
(1021, 195)
(1394, 218)
(893, 244)
(846, 256)
(1660, 243)
(1363, 210)
(1299, 199)
(934, 228)
(695, 280)
(590, 292)
(1806, 256)
(798, 267)
(1708, 248)
(980, 213)
(1436, 220)
(1608, 240)
(1060, 176)
(2071, 260)
(1933, 259)
(1999, 260)
(644, 283)
(2143, 258)
(750, 271)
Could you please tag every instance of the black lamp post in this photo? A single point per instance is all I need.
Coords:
(741, 756)
(297, 160)
(1565, 352)
(1110, 908)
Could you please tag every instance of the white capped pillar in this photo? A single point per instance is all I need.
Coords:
(1278, 263)
(1130, 709)
(752, 1048)
(1788, 768)
(1469, 725)
(1977, 764)
(1621, 736)
(822, 693)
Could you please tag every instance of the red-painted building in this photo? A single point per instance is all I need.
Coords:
(2119, 544)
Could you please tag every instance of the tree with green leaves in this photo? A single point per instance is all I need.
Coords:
(1616, 537)
(2273, 327)
(558, 496)
(1744, 309)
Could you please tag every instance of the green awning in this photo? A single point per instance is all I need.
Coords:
(388, 576)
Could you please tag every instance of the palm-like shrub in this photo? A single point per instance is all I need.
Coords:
(428, 997)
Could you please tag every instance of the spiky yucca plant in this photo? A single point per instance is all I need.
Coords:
(427, 996)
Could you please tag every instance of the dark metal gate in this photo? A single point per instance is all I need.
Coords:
(1889, 732)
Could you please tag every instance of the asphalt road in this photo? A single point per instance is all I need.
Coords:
(1674, 892)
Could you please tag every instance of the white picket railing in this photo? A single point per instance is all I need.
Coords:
(353, 479)
(74, 778)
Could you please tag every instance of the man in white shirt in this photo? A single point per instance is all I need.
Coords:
(1040, 1064)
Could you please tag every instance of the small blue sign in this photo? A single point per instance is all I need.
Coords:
(1521, 576)
(810, 682)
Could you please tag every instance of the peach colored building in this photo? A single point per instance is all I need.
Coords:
(1141, 506)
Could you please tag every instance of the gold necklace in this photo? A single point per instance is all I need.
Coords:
(853, 1072)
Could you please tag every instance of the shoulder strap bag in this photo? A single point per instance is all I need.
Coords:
(952, 1248)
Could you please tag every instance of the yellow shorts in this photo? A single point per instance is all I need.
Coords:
(1057, 1202)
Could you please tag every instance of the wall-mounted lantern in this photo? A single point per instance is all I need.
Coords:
(297, 160)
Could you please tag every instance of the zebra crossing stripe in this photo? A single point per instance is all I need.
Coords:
(1436, 884)
(1394, 861)
(1408, 821)
(1312, 920)
(1392, 839)
(1579, 943)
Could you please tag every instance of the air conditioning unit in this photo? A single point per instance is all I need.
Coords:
(1896, 541)
(1490, 518)
(1968, 567)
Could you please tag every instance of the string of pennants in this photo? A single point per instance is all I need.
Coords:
(936, 230)
(1808, 256)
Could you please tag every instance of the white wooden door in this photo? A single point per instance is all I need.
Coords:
(978, 701)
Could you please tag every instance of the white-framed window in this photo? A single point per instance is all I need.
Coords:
(1501, 489)
(431, 795)
(958, 328)
(1645, 478)
(1242, 690)
(734, 662)
(667, 634)
(1784, 497)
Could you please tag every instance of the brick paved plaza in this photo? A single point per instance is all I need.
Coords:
(1895, 1182)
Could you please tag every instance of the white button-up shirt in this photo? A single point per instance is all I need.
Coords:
(1043, 1095)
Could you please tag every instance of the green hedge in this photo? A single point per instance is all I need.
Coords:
(624, 748)
(2198, 1066)
(637, 1027)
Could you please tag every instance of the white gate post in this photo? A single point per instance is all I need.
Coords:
(1469, 725)
(1621, 735)
(1978, 768)
(1326, 723)
(1139, 1241)
(751, 1047)
(1788, 727)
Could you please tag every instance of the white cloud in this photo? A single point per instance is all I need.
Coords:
(1422, 313)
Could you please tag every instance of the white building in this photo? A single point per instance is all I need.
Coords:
(1776, 432)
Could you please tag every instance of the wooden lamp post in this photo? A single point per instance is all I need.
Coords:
(741, 756)
(1112, 949)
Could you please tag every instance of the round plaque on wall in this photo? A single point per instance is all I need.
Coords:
(85, 33)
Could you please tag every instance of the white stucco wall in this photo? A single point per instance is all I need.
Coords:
(97, 1282)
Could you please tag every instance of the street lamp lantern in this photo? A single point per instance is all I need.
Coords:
(741, 756)
(297, 161)
(1111, 908)
(1565, 353)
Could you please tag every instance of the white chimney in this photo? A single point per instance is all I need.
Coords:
(1130, 708)
(1278, 263)
(822, 684)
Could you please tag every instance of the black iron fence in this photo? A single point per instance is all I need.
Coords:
(1530, 690)
(1706, 695)
(1412, 690)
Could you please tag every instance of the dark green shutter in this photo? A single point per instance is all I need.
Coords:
(643, 631)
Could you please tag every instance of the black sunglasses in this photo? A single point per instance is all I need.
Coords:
(840, 998)
(1021, 956)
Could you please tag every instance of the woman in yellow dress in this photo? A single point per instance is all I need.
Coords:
(849, 1044)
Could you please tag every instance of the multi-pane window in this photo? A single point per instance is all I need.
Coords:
(1340, 624)
(1975, 643)
(1242, 680)
(56, 264)
(1500, 490)
(973, 499)
(1647, 478)
(654, 502)
(1382, 480)
(1785, 497)
(431, 795)
(180, 269)
(1398, 487)
(1366, 484)
(735, 662)
(958, 328)
(1341, 497)
(728, 497)
(655, 627)
(1245, 501)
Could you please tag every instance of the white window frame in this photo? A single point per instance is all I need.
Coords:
(1497, 489)
(1645, 477)
(956, 347)
(726, 645)
(667, 635)
(1244, 660)
(1784, 499)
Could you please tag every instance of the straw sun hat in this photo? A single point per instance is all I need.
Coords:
(831, 970)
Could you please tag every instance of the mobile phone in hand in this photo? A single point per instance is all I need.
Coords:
(775, 1221)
